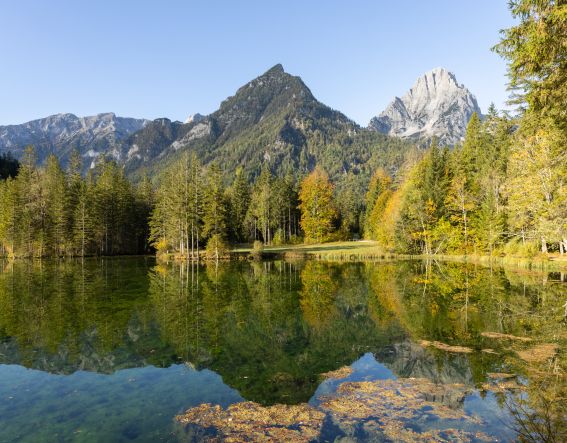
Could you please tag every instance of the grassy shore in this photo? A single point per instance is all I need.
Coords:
(365, 250)
(339, 251)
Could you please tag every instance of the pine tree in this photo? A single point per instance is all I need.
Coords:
(215, 213)
(535, 51)
(238, 197)
(260, 209)
(31, 211)
(144, 204)
(8, 217)
(82, 227)
(56, 207)
(215, 210)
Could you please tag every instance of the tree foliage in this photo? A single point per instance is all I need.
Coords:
(535, 49)
(318, 210)
(51, 212)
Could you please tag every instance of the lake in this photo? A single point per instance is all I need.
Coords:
(114, 349)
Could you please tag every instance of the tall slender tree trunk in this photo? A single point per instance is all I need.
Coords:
(192, 240)
(289, 222)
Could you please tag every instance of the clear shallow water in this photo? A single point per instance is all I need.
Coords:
(130, 404)
(112, 350)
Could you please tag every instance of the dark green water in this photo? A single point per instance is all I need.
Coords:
(113, 349)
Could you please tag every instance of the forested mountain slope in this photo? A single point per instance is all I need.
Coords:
(274, 120)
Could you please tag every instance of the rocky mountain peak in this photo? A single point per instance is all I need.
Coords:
(436, 106)
(270, 94)
(194, 118)
(278, 68)
(60, 134)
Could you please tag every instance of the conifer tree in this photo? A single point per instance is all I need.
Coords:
(8, 217)
(535, 50)
(55, 187)
(238, 197)
(260, 209)
(82, 227)
(215, 210)
(31, 213)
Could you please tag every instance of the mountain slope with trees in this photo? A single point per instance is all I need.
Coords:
(273, 120)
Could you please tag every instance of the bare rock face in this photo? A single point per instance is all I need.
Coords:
(436, 106)
(194, 118)
(60, 134)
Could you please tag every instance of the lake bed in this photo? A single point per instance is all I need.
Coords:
(115, 349)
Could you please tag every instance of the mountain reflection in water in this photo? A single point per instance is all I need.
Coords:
(131, 343)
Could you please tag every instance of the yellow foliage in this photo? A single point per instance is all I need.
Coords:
(318, 210)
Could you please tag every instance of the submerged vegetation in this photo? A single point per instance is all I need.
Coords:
(271, 329)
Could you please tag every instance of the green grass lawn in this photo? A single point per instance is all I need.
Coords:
(371, 250)
(345, 250)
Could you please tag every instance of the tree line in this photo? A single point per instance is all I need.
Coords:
(51, 212)
(504, 190)
(194, 208)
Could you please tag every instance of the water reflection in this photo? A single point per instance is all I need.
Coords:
(269, 329)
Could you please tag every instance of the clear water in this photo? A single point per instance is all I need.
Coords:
(114, 349)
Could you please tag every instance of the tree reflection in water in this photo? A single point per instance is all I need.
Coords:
(270, 328)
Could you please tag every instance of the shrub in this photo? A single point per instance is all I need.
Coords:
(295, 240)
(517, 248)
(216, 248)
(161, 246)
(279, 238)
(257, 250)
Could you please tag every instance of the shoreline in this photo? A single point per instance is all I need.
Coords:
(371, 251)
(346, 251)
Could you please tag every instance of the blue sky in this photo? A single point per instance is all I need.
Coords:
(174, 58)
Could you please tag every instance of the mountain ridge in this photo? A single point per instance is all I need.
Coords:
(274, 119)
(271, 119)
(60, 134)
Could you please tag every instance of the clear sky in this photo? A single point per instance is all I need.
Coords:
(170, 59)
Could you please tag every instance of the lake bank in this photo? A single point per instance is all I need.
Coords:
(366, 250)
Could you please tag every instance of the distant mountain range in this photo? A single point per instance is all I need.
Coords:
(60, 134)
(273, 119)
(436, 106)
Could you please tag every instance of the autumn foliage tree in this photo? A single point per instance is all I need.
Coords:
(318, 211)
